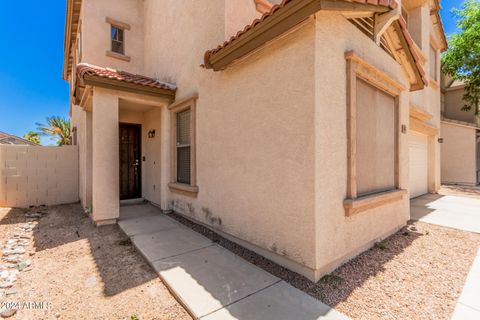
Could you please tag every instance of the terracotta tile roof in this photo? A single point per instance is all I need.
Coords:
(411, 47)
(392, 4)
(85, 69)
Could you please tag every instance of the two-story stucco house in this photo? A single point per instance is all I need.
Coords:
(297, 128)
(460, 133)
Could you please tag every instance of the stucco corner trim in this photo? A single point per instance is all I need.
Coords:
(184, 102)
(433, 83)
(417, 113)
(373, 75)
(119, 56)
(422, 127)
(183, 188)
(116, 23)
(361, 204)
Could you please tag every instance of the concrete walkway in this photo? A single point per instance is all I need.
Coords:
(449, 211)
(468, 306)
(210, 281)
(459, 213)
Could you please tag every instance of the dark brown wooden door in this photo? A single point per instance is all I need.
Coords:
(130, 161)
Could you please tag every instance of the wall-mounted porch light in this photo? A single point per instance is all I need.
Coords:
(151, 133)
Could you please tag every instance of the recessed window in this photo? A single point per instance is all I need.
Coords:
(376, 139)
(118, 40)
(183, 146)
(373, 137)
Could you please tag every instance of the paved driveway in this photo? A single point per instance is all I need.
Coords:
(446, 210)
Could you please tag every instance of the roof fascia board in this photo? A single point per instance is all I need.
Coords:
(419, 83)
(112, 84)
(292, 14)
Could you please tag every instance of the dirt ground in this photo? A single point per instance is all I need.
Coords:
(82, 272)
(457, 190)
(418, 273)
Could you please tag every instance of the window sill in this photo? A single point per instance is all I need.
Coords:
(115, 55)
(183, 188)
(354, 206)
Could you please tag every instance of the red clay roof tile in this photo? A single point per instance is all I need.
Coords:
(108, 73)
(413, 51)
(386, 3)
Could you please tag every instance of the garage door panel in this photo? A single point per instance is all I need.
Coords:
(418, 146)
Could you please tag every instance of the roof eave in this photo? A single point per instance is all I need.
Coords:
(73, 8)
(67, 37)
(413, 58)
(96, 81)
(262, 31)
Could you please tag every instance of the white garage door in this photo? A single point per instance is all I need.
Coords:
(418, 164)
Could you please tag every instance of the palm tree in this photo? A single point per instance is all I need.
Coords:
(32, 136)
(57, 127)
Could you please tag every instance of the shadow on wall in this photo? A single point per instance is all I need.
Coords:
(118, 265)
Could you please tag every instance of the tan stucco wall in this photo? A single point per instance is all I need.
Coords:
(82, 121)
(337, 236)
(454, 104)
(271, 129)
(459, 154)
(34, 175)
(105, 161)
(238, 14)
(96, 33)
(255, 150)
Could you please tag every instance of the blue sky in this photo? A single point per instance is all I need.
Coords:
(31, 58)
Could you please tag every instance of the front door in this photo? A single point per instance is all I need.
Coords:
(130, 162)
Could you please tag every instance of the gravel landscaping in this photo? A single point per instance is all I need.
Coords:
(77, 271)
(417, 273)
(72, 270)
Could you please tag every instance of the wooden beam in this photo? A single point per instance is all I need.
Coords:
(382, 22)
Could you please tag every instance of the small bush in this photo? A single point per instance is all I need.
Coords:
(381, 245)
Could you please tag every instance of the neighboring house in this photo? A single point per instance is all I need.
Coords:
(294, 136)
(460, 131)
(6, 138)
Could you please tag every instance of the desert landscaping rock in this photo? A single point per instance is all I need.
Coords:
(8, 313)
(6, 285)
(36, 215)
(61, 260)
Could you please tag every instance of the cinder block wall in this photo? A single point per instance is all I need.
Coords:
(31, 175)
